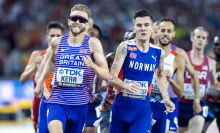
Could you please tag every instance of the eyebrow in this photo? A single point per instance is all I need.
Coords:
(142, 23)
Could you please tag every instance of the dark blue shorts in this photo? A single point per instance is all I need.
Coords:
(160, 117)
(130, 115)
(172, 120)
(42, 120)
(186, 113)
(93, 115)
(73, 118)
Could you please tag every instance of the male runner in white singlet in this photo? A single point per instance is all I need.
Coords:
(175, 64)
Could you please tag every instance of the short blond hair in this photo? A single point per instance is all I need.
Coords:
(200, 28)
(90, 21)
(80, 7)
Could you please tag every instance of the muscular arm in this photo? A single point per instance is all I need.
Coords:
(103, 86)
(161, 82)
(43, 64)
(178, 86)
(192, 72)
(161, 77)
(214, 83)
(49, 68)
(31, 68)
(114, 81)
(101, 67)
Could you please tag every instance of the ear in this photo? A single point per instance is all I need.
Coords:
(47, 38)
(68, 21)
(191, 38)
(152, 29)
(134, 29)
(174, 34)
(206, 41)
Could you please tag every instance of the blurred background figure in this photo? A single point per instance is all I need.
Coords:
(22, 26)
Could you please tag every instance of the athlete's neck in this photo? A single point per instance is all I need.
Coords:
(143, 46)
(75, 40)
(197, 53)
(156, 41)
(166, 48)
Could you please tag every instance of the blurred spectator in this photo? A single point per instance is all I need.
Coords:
(22, 23)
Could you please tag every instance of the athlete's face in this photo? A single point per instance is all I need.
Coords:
(53, 32)
(199, 40)
(155, 32)
(143, 28)
(94, 33)
(166, 33)
(77, 27)
(216, 46)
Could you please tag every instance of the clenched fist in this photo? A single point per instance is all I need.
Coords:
(88, 61)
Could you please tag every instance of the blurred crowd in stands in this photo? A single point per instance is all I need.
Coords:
(23, 23)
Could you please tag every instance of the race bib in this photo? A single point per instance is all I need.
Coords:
(189, 92)
(98, 111)
(205, 110)
(144, 87)
(68, 77)
(155, 89)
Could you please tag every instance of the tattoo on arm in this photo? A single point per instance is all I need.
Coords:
(161, 67)
(114, 66)
(123, 51)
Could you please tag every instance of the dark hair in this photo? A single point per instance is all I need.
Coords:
(166, 19)
(156, 23)
(130, 35)
(53, 24)
(100, 32)
(142, 13)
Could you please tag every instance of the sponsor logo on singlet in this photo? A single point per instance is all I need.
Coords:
(201, 75)
(142, 66)
(67, 59)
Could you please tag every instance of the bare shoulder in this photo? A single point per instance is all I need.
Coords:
(179, 59)
(122, 48)
(93, 41)
(35, 54)
(183, 53)
(55, 42)
(212, 61)
(180, 51)
(95, 45)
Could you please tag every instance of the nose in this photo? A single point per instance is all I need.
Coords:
(77, 21)
(143, 28)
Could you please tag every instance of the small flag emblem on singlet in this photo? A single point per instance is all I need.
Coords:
(83, 51)
(204, 68)
(133, 55)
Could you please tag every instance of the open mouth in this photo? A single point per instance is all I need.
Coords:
(143, 34)
(165, 39)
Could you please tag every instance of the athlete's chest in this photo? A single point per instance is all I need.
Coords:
(141, 62)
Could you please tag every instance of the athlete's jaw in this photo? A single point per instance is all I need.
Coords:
(164, 41)
(77, 28)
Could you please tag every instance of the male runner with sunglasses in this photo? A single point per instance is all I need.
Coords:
(54, 29)
(135, 63)
(74, 72)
